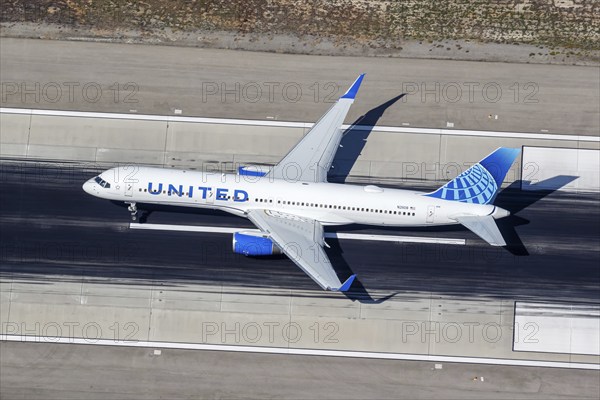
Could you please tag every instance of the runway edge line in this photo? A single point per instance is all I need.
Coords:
(305, 352)
(305, 125)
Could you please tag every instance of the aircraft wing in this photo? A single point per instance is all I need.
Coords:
(311, 158)
(301, 239)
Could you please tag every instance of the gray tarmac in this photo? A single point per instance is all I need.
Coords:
(70, 75)
(55, 371)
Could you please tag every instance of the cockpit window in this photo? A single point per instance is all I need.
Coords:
(102, 182)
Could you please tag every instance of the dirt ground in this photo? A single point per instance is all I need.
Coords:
(530, 31)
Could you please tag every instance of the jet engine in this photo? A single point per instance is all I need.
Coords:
(251, 243)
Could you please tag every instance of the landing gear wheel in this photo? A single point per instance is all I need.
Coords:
(133, 210)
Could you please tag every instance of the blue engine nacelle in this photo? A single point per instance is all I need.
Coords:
(253, 244)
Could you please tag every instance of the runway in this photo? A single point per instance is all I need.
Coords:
(52, 230)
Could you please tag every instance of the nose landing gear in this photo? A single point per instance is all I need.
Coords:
(133, 210)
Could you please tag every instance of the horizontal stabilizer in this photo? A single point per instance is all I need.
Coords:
(483, 226)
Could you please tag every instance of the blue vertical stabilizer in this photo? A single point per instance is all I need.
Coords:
(480, 183)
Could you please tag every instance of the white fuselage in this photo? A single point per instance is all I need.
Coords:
(329, 203)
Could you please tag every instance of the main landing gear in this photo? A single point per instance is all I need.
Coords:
(133, 210)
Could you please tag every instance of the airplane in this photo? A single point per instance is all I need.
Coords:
(292, 202)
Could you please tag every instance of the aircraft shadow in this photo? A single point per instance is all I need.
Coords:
(354, 140)
(357, 291)
(514, 199)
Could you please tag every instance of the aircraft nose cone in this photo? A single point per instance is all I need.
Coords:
(87, 187)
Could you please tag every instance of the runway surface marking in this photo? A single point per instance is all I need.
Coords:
(229, 121)
(334, 235)
(307, 352)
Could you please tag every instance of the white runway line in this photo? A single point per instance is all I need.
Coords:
(304, 352)
(229, 121)
(345, 236)
(392, 238)
(188, 228)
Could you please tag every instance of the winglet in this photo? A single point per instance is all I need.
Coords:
(346, 285)
(351, 93)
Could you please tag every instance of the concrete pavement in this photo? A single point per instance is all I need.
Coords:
(235, 84)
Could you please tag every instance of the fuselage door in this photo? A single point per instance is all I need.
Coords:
(430, 214)
(129, 189)
(210, 196)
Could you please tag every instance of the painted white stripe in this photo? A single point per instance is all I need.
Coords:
(312, 352)
(160, 118)
(188, 228)
(559, 328)
(348, 236)
(228, 121)
(392, 238)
